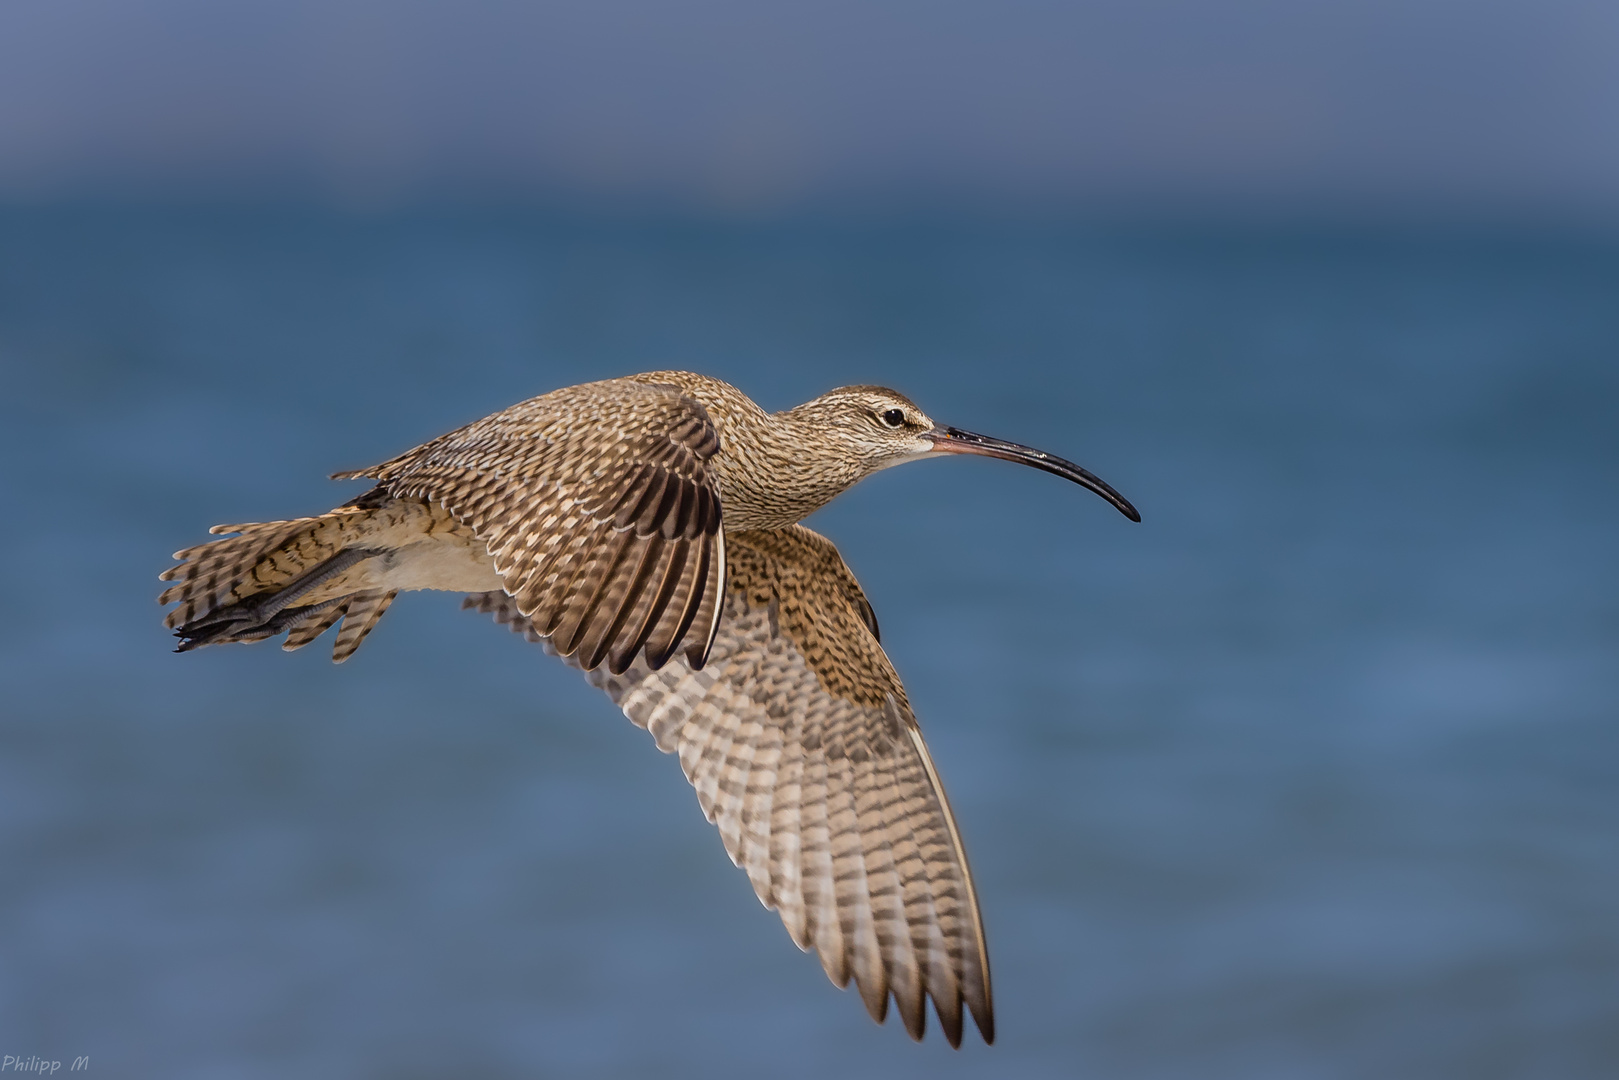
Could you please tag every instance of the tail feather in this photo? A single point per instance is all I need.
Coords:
(364, 609)
(213, 575)
(301, 576)
(276, 576)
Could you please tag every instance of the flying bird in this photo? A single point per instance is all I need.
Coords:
(646, 530)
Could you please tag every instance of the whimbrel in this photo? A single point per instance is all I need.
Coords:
(645, 529)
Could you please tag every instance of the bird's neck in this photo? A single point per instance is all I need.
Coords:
(775, 471)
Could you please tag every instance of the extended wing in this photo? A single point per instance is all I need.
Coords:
(804, 752)
(599, 510)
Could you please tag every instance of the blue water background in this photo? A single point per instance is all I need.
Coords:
(1314, 773)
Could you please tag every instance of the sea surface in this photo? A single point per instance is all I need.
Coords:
(1312, 774)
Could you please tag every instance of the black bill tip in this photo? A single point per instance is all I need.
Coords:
(951, 440)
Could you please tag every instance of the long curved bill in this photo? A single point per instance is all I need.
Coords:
(951, 440)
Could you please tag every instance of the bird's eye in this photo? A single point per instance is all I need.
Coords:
(893, 417)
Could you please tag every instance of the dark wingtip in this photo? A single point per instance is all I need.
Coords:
(916, 1024)
(656, 660)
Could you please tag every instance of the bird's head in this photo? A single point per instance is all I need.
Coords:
(873, 427)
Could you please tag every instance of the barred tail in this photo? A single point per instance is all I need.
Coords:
(298, 576)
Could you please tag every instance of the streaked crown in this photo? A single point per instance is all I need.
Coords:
(873, 426)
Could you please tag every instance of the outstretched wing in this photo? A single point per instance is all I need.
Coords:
(599, 510)
(803, 749)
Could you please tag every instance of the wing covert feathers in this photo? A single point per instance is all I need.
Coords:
(803, 750)
(599, 510)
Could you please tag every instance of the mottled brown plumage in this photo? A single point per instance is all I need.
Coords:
(803, 749)
(645, 530)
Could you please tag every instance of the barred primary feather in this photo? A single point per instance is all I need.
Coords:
(858, 851)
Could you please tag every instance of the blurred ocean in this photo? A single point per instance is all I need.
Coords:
(1315, 773)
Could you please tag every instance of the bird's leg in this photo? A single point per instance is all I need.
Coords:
(272, 612)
